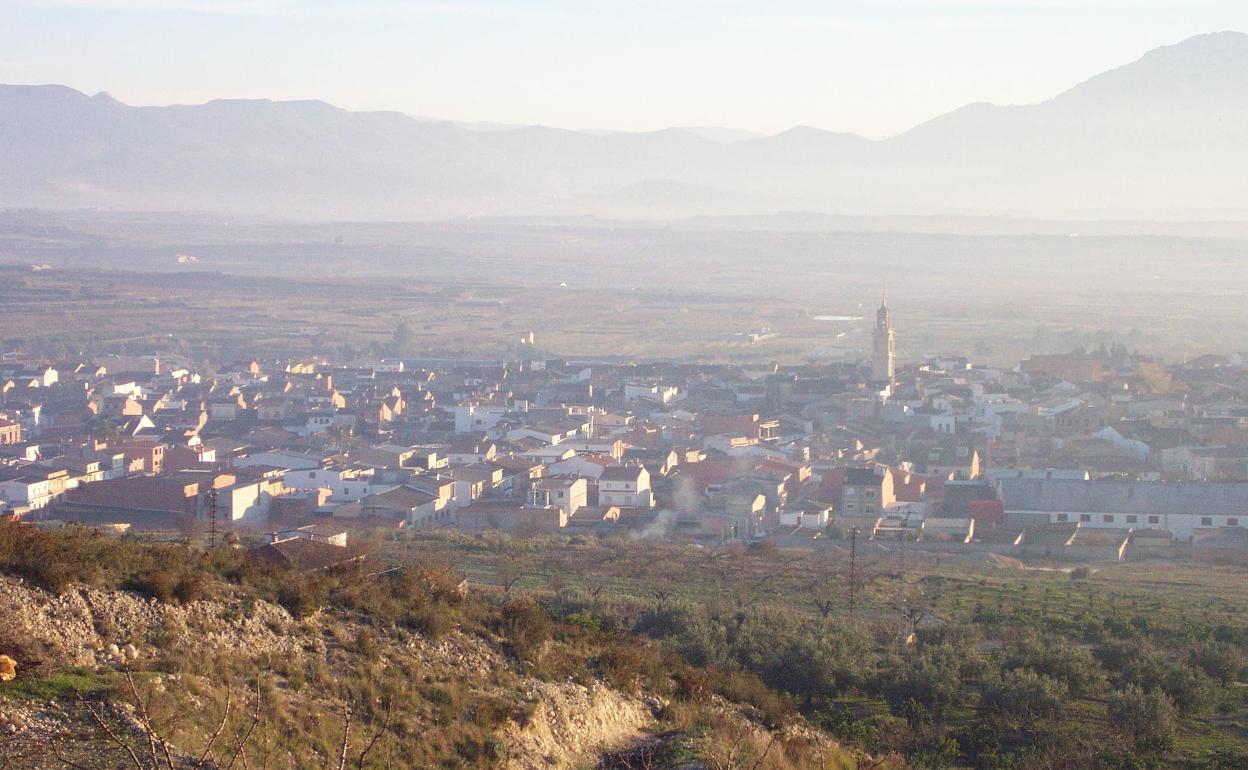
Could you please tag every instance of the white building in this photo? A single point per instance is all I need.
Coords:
(627, 486)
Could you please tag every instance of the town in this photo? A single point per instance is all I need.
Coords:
(1101, 455)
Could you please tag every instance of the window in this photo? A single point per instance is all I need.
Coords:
(1107, 519)
(1154, 519)
(1132, 519)
(1063, 517)
(1232, 522)
(1206, 521)
(1085, 517)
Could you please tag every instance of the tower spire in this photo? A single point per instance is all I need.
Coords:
(883, 366)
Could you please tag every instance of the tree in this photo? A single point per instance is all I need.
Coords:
(929, 681)
(510, 570)
(1074, 667)
(1156, 378)
(343, 437)
(1219, 660)
(404, 338)
(1024, 695)
(1144, 716)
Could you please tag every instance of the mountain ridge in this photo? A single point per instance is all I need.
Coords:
(1118, 143)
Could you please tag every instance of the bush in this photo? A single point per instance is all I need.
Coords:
(1075, 667)
(54, 560)
(929, 681)
(939, 754)
(747, 688)
(301, 598)
(667, 621)
(526, 626)
(1190, 688)
(429, 622)
(1143, 716)
(840, 720)
(1219, 660)
(1024, 695)
(624, 664)
(167, 585)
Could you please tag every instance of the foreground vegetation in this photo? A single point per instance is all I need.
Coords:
(952, 665)
(400, 668)
(944, 664)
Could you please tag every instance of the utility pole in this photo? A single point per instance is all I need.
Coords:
(902, 599)
(212, 519)
(853, 569)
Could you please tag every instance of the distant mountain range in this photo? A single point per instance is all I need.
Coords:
(1165, 136)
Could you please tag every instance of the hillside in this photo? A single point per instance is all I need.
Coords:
(207, 662)
(1161, 136)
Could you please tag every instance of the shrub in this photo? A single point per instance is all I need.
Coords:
(666, 621)
(1143, 716)
(840, 720)
(429, 622)
(623, 665)
(1219, 660)
(1024, 695)
(301, 598)
(166, 584)
(526, 626)
(1075, 667)
(52, 560)
(939, 754)
(747, 688)
(929, 681)
(1190, 688)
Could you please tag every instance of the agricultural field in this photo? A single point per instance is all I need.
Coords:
(706, 291)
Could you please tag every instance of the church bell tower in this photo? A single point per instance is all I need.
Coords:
(883, 342)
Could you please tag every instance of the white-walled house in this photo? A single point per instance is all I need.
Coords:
(625, 486)
(478, 418)
(26, 491)
(344, 484)
(654, 392)
(569, 494)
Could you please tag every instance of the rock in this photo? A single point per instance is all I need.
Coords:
(8, 669)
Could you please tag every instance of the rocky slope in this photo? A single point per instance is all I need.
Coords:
(95, 633)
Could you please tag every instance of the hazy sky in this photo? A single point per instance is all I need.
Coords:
(872, 66)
